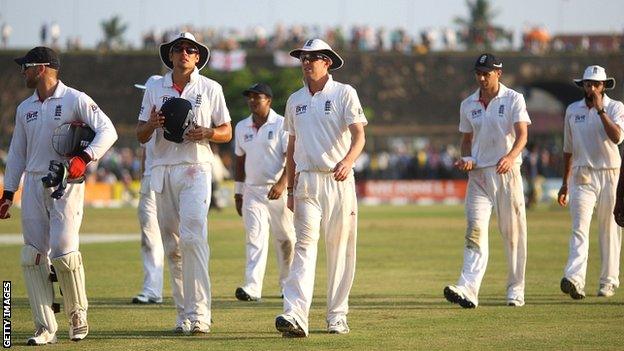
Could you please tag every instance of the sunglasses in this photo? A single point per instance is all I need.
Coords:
(190, 50)
(311, 57)
(26, 66)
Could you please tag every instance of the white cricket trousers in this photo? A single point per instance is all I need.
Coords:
(182, 208)
(261, 216)
(504, 193)
(322, 204)
(51, 226)
(151, 242)
(594, 188)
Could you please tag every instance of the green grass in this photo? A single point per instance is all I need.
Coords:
(406, 255)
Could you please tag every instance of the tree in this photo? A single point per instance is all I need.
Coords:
(113, 33)
(478, 31)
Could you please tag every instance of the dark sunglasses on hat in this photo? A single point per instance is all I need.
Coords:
(190, 50)
(313, 56)
(26, 66)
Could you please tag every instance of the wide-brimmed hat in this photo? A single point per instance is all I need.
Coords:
(598, 74)
(204, 52)
(317, 45)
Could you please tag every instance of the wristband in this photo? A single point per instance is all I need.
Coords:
(469, 159)
(239, 187)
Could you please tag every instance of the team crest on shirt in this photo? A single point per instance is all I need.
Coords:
(301, 109)
(58, 111)
(141, 110)
(31, 116)
(476, 113)
(198, 100)
(247, 137)
(579, 118)
(501, 110)
(327, 107)
(270, 136)
(93, 107)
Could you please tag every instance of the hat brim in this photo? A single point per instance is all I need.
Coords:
(337, 61)
(609, 83)
(204, 52)
(249, 91)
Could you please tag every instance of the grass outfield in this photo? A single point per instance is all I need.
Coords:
(406, 255)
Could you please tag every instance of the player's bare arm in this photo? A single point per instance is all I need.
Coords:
(466, 163)
(239, 178)
(562, 196)
(613, 130)
(220, 134)
(145, 129)
(506, 162)
(290, 172)
(358, 139)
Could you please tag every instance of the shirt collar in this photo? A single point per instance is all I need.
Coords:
(502, 90)
(328, 84)
(168, 79)
(59, 92)
(271, 118)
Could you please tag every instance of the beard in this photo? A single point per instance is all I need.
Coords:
(590, 97)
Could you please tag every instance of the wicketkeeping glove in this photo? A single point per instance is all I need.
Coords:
(78, 165)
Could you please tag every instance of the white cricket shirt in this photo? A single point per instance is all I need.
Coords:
(206, 97)
(264, 149)
(320, 124)
(586, 139)
(493, 127)
(31, 145)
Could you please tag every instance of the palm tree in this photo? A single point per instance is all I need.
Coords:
(113, 32)
(478, 32)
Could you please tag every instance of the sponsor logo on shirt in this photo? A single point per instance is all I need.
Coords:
(579, 118)
(476, 113)
(301, 109)
(31, 116)
(501, 110)
(198, 100)
(58, 110)
(164, 98)
(327, 107)
(247, 137)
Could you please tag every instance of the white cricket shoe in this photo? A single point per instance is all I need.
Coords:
(606, 290)
(42, 336)
(78, 326)
(182, 327)
(289, 327)
(454, 295)
(143, 299)
(338, 327)
(515, 302)
(199, 327)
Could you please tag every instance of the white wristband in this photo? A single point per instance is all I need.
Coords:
(239, 187)
(469, 159)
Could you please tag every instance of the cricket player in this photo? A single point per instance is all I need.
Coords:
(152, 252)
(261, 143)
(592, 131)
(180, 173)
(50, 226)
(325, 122)
(493, 123)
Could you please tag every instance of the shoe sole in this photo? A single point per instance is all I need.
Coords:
(567, 287)
(288, 329)
(453, 297)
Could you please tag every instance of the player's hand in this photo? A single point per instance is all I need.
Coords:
(199, 133)
(504, 165)
(342, 170)
(562, 196)
(5, 204)
(464, 165)
(238, 201)
(276, 191)
(597, 100)
(77, 166)
(156, 120)
(618, 211)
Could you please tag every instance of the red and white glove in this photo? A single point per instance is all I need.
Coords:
(78, 165)
(5, 203)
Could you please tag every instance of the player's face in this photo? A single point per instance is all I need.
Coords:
(32, 75)
(259, 104)
(488, 80)
(591, 86)
(314, 65)
(184, 55)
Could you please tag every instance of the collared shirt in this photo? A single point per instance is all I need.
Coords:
(264, 149)
(35, 121)
(320, 124)
(206, 97)
(493, 127)
(585, 136)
